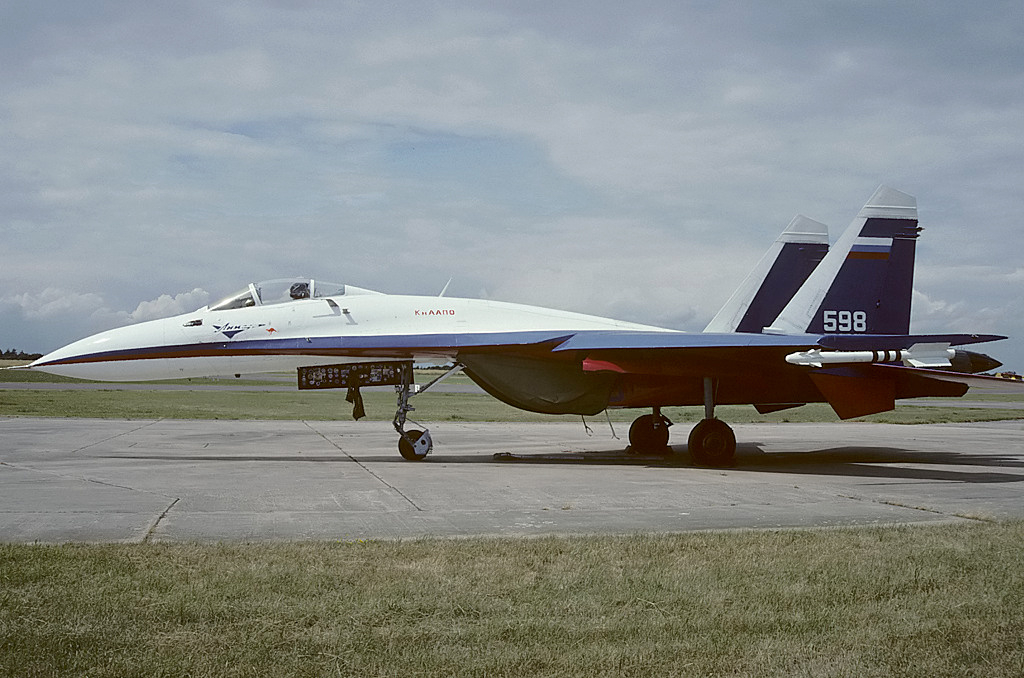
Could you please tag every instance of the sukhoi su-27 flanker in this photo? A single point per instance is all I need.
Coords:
(812, 323)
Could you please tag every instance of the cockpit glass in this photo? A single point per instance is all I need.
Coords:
(280, 291)
(241, 299)
(327, 289)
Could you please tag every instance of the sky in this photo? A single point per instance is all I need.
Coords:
(630, 160)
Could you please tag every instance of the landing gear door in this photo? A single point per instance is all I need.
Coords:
(353, 375)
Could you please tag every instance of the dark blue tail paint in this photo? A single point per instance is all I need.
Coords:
(865, 283)
(792, 267)
(777, 276)
(872, 292)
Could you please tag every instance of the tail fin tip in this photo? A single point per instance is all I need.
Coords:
(805, 230)
(888, 203)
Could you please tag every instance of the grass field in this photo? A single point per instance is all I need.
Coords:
(929, 602)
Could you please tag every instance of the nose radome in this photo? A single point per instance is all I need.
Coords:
(100, 356)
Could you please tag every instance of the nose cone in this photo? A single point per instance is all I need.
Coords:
(107, 356)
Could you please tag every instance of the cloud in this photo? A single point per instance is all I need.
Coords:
(935, 311)
(53, 302)
(53, 316)
(166, 305)
(624, 160)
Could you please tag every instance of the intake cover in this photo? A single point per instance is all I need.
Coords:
(545, 385)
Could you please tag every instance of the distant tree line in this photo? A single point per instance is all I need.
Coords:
(13, 354)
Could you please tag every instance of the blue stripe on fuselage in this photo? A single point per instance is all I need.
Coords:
(335, 345)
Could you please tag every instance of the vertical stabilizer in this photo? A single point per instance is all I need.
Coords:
(777, 276)
(865, 283)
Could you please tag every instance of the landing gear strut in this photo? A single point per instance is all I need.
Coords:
(648, 434)
(414, 444)
(711, 442)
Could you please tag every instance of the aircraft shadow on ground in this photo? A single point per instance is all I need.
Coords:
(882, 462)
(240, 458)
(866, 462)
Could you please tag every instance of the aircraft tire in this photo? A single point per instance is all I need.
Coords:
(406, 449)
(645, 438)
(712, 443)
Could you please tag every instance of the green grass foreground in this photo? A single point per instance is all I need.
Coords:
(900, 601)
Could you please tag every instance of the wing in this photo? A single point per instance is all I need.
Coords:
(589, 371)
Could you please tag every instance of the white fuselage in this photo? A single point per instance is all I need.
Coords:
(350, 327)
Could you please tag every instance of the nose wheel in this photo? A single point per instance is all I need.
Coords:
(414, 445)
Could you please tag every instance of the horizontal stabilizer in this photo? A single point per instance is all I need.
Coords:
(889, 342)
(975, 382)
(601, 340)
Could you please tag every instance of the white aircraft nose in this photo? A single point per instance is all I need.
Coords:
(105, 356)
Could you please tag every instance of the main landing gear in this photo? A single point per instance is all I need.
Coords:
(711, 442)
(648, 434)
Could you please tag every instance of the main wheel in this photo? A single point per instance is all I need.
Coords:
(648, 435)
(712, 443)
(414, 445)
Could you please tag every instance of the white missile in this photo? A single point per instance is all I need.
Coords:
(918, 355)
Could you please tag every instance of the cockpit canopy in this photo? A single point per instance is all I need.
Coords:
(283, 290)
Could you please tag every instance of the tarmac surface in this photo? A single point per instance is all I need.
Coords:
(101, 480)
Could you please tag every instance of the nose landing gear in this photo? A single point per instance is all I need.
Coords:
(413, 444)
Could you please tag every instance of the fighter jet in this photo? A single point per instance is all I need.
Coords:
(841, 337)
